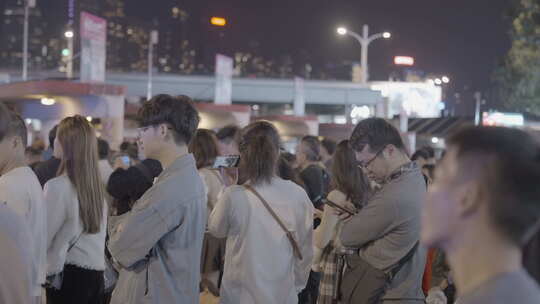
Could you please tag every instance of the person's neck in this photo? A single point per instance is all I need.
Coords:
(480, 257)
(168, 155)
(11, 165)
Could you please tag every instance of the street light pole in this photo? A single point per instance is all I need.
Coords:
(151, 42)
(364, 41)
(27, 5)
(69, 64)
(364, 44)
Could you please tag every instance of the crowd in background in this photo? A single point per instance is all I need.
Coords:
(355, 221)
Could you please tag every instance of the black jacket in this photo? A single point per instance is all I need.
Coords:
(47, 170)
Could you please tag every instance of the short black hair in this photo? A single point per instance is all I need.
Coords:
(103, 148)
(229, 134)
(313, 145)
(128, 185)
(52, 136)
(11, 124)
(377, 133)
(509, 168)
(176, 111)
(329, 145)
(420, 154)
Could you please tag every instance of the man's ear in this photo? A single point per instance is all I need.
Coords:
(471, 197)
(162, 131)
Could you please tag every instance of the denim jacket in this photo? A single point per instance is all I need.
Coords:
(158, 244)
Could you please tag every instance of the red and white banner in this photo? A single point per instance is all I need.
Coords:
(93, 48)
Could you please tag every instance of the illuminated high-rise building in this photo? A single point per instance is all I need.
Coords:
(40, 51)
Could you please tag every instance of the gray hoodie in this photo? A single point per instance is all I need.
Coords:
(158, 244)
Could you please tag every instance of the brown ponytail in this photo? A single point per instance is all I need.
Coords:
(259, 150)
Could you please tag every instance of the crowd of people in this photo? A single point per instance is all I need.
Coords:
(161, 220)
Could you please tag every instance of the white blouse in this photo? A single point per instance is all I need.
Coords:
(65, 226)
(214, 185)
(260, 266)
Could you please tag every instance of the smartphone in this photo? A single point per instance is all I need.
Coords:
(336, 206)
(125, 160)
(230, 161)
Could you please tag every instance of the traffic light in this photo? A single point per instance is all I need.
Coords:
(65, 52)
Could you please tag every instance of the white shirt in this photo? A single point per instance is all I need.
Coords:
(214, 185)
(16, 258)
(65, 226)
(21, 191)
(105, 170)
(260, 266)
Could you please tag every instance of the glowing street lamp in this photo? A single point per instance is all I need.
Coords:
(445, 79)
(47, 101)
(69, 54)
(438, 81)
(342, 31)
(365, 39)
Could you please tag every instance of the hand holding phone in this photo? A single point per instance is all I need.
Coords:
(229, 161)
(341, 210)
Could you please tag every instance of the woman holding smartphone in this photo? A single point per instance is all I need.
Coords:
(268, 224)
(351, 188)
(76, 217)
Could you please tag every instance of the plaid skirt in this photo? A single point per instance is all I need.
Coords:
(332, 266)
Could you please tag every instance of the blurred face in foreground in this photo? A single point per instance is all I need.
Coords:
(449, 203)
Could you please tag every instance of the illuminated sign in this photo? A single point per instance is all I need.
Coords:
(218, 21)
(503, 119)
(404, 60)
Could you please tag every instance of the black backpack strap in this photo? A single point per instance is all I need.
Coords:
(404, 260)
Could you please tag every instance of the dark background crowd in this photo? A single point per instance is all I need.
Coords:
(163, 220)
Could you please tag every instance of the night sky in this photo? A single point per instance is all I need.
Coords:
(465, 39)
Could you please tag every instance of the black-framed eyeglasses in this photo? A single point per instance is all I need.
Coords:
(365, 164)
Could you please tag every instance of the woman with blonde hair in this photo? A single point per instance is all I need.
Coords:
(76, 218)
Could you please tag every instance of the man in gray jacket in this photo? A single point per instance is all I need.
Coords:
(387, 228)
(158, 243)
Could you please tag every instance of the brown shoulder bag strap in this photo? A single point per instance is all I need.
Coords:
(290, 236)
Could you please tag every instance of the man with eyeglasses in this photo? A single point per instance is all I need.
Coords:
(385, 233)
(158, 243)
